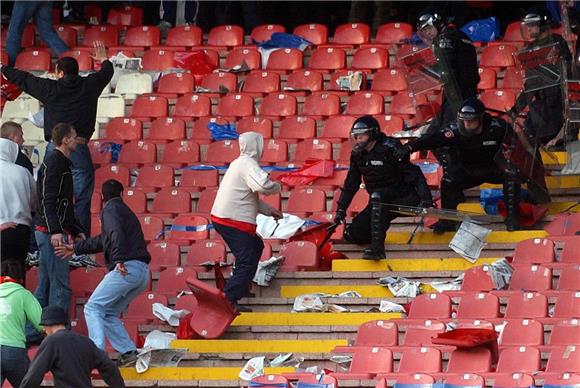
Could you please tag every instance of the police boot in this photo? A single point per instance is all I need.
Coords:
(512, 219)
(443, 226)
(376, 251)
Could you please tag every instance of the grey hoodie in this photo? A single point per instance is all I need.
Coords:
(237, 197)
(17, 187)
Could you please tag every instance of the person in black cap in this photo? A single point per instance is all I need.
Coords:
(386, 179)
(69, 356)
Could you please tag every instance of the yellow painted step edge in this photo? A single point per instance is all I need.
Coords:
(552, 181)
(258, 346)
(427, 264)
(551, 158)
(193, 373)
(365, 290)
(308, 319)
(554, 208)
(432, 238)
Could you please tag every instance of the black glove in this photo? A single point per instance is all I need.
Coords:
(340, 217)
(426, 204)
(402, 153)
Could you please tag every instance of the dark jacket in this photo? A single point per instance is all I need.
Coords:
(22, 160)
(55, 196)
(380, 170)
(71, 99)
(121, 238)
(71, 357)
(476, 150)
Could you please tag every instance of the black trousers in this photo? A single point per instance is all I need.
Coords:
(15, 243)
(458, 178)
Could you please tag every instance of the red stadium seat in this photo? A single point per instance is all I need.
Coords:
(421, 334)
(328, 380)
(569, 278)
(264, 32)
(119, 173)
(321, 105)
(478, 305)
(535, 251)
(465, 380)
(562, 379)
(295, 128)
(476, 359)
(67, 34)
(220, 82)
(259, 83)
(200, 131)
(28, 36)
(370, 58)
(327, 58)
(250, 56)
(96, 203)
(300, 256)
(477, 279)
(235, 105)
(172, 201)
(166, 129)
(192, 105)
(123, 128)
(277, 105)
(519, 359)
(513, 33)
(142, 306)
(155, 177)
(527, 305)
(420, 359)
(147, 108)
(564, 359)
(227, 35)
(487, 79)
(405, 103)
(206, 251)
(365, 103)
(527, 332)
(199, 178)
(164, 254)
(317, 34)
(206, 200)
(84, 281)
(565, 333)
(285, 60)
(367, 362)
(176, 83)
(389, 81)
(352, 34)
(359, 202)
(514, 380)
(138, 38)
(430, 306)
(313, 149)
(136, 200)
(274, 200)
(394, 33)
(337, 127)
(390, 124)
(331, 183)
(303, 81)
(222, 152)
(531, 278)
(377, 333)
(502, 100)
(107, 34)
(255, 124)
(334, 84)
(498, 56)
(275, 151)
(308, 200)
(270, 381)
(513, 78)
(138, 152)
(157, 60)
(187, 228)
(83, 58)
(172, 281)
(180, 153)
(125, 16)
(33, 60)
(184, 36)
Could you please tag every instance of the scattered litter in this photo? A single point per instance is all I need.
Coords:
(253, 368)
(469, 240)
(168, 315)
(156, 352)
(267, 270)
(390, 307)
(351, 82)
(314, 303)
(448, 285)
(122, 64)
(501, 273)
(401, 287)
(342, 361)
(282, 229)
(312, 369)
(287, 360)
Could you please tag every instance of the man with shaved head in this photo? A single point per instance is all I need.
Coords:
(13, 131)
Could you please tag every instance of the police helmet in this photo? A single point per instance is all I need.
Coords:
(537, 15)
(366, 124)
(430, 17)
(471, 109)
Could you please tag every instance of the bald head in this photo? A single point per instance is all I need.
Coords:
(12, 131)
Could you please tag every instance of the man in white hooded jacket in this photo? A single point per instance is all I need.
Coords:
(235, 209)
(17, 201)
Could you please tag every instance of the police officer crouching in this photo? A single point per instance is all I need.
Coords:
(386, 178)
(475, 139)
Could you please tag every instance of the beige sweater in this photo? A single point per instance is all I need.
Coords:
(237, 197)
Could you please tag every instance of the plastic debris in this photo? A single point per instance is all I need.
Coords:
(253, 368)
(282, 229)
(168, 315)
(469, 240)
(267, 270)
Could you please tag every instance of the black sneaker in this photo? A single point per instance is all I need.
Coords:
(242, 309)
(443, 226)
(127, 358)
(374, 254)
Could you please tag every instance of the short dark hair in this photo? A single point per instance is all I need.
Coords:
(12, 268)
(68, 65)
(60, 131)
(9, 128)
(111, 189)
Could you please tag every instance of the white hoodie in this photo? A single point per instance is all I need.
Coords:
(17, 187)
(237, 196)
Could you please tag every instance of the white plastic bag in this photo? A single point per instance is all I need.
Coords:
(168, 315)
(253, 368)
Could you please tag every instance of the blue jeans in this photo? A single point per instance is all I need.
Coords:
(110, 298)
(14, 364)
(53, 275)
(41, 12)
(247, 249)
(83, 173)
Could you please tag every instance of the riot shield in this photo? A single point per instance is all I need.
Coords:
(541, 65)
(420, 67)
(443, 214)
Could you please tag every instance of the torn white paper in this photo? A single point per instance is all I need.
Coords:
(501, 273)
(282, 229)
(390, 307)
(267, 270)
(401, 287)
(159, 358)
(167, 314)
(469, 240)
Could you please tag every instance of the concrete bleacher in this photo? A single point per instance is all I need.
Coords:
(272, 328)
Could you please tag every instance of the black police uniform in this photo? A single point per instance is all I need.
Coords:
(396, 182)
(473, 162)
(545, 117)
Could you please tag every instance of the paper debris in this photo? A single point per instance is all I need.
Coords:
(253, 368)
(267, 270)
(390, 307)
(167, 314)
(469, 240)
(401, 287)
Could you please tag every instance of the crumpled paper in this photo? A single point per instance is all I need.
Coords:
(267, 270)
(448, 285)
(401, 287)
(342, 361)
(351, 82)
(469, 240)
(286, 360)
(157, 352)
(253, 368)
(167, 314)
(501, 273)
(282, 229)
(314, 303)
(390, 307)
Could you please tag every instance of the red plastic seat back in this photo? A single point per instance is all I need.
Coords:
(172, 280)
(377, 333)
(513, 78)
(527, 305)
(519, 359)
(372, 58)
(222, 152)
(313, 149)
(321, 104)
(250, 56)
(264, 32)
(477, 279)
(278, 104)
(565, 333)
(275, 151)
(206, 251)
(430, 306)
(328, 58)
(424, 359)
(502, 100)
(372, 360)
(300, 256)
(136, 200)
(515, 380)
(33, 60)
(487, 78)
(285, 59)
(189, 227)
(108, 34)
(119, 173)
(352, 33)
(206, 200)
(158, 59)
(535, 250)
(365, 103)
(182, 152)
(421, 334)
(150, 106)
(390, 124)
(465, 380)
(226, 35)
(498, 56)
(142, 305)
(308, 200)
(522, 332)
(199, 178)
(338, 127)
(163, 254)
(513, 33)
(477, 359)
(152, 227)
(174, 201)
(315, 33)
(138, 152)
(394, 33)
(124, 128)
(179, 83)
(478, 305)
(167, 128)
(389, 80)
(269, 381)
(193, 105)
(260, 125)
(262, 82)
(67, 34)
(238, 105)
(125, 16)
(84, 281)
(569, 278)
(308, 80)
(184, 36)
(531, 278)
(564, 359)
(143, 36)
(297, 127)
(219, 80)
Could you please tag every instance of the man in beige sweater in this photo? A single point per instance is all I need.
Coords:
(235, 209)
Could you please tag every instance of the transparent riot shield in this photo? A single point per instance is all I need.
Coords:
(421, 68)
(541, 65)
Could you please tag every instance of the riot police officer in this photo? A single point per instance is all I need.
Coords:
(475, 140)
(386, 178)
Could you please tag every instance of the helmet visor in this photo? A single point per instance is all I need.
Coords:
(530, 26)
